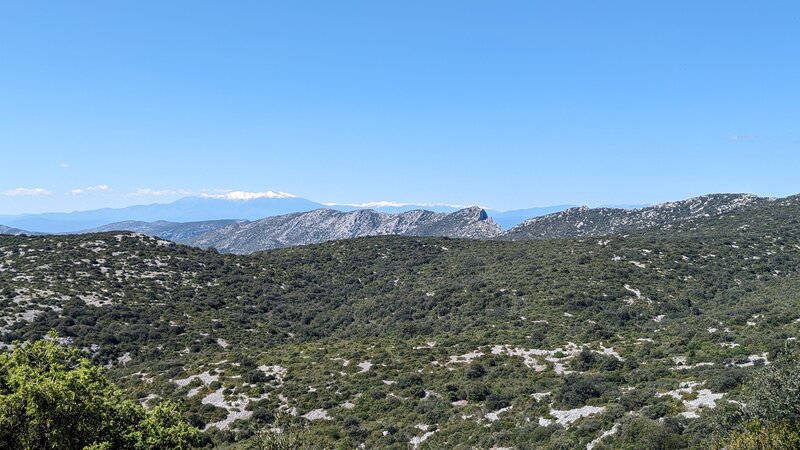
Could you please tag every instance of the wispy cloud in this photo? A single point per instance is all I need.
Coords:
(26, 191)
(98, 188)
(741, 137)
(149, 192)
(389, 204)
(63, 165)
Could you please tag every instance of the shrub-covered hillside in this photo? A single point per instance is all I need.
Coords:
(398, 342)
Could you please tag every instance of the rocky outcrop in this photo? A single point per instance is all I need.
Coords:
(325, 225)
(584, 221)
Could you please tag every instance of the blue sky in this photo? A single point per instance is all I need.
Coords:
(503, 104)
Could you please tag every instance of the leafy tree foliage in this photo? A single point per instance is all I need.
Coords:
(53, 398)
(769, 418)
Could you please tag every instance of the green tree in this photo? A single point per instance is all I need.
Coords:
(769, 417)
(53, 398)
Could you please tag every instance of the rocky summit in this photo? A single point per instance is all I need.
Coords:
(323, 225)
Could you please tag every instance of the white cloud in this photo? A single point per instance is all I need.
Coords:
(63, 165)
(242, 195)
(26, 191)
(741, 137)
(98, 188)
(148, 192)
(209, 193)
(386, 204)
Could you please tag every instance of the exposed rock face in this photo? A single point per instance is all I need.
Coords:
(471, 223)
(583, 221)
(325, 224)
(320, 225)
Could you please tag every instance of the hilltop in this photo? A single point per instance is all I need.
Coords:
(584, 221)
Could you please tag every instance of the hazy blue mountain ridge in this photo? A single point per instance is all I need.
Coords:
(15, 231)
(204, 209)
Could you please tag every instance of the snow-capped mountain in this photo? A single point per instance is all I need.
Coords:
(391, 207)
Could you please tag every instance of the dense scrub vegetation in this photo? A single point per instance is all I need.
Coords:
(635, 341)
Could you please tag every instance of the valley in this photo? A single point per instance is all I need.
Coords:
(429, 342)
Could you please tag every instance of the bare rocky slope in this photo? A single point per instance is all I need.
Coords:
(583, 221)
(323, 225)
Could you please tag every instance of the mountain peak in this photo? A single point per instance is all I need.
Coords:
(472, 212)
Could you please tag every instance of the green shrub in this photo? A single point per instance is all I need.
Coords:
(51, 397)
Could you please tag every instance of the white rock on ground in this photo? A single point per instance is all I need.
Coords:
(466, 358)
(566, 417)
(495, 415)
(705, 398)
(415, 441)
(635, 292)
(605, 434)
(539, 396)
(569, 351)
(278, 371)
(317, 414)
(236, 408)
(751, 360)
(206, 377)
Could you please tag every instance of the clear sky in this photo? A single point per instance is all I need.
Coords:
(506, 104)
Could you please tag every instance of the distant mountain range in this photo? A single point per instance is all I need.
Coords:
(324, 224)
(320, 225)
(189, 209)
(251, 231)
(233, 207)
